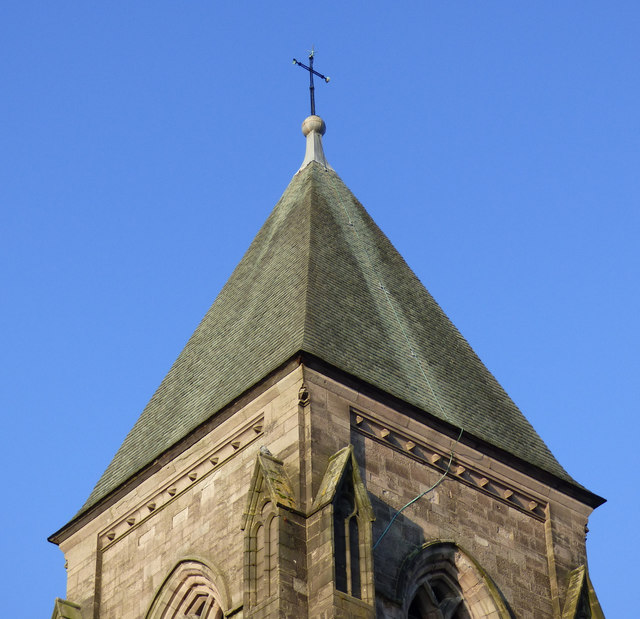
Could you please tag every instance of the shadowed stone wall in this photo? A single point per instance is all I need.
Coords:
(526, 536)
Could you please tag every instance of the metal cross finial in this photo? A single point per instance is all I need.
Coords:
(312, 72)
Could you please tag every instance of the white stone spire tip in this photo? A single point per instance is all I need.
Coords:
(313, 128)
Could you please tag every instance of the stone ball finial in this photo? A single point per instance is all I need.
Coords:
(313, 123)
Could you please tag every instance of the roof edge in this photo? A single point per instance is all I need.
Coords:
(84, 516)
(574, 490)
(302, 357)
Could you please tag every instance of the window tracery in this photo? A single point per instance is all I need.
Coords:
(438, 598)
(442, 581)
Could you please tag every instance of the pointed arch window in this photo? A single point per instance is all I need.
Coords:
(189, 592)
(262, 560)
(346, 536)
(442, 581)
(349, 514)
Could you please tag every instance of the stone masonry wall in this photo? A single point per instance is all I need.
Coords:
(118, 578)
(501, 523)
(526, 535)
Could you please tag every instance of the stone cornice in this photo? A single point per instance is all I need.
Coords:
(87, 514)
(189, 476)
(570, 489)
(461, 469)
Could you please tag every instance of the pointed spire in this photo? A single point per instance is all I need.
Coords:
(314, 128)
(321, 279)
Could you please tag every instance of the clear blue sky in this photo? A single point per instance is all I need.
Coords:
(142, 144)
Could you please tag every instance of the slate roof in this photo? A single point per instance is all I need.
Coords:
(311, 282)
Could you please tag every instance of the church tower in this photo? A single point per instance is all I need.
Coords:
(327, 445)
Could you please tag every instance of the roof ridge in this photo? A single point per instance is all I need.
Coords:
(307, 295)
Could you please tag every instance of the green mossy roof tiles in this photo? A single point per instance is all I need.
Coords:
(311, 281)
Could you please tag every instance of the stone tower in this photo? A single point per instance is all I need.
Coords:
(328, 445)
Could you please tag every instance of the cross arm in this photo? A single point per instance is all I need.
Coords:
(304, 66)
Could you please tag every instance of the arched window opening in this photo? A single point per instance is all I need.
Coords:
(188, 593)
(354, 555)
(441, 581)
(346, 536)
(344, 499)
(272, 557)
(263, 549)
(260, 566)
(342, 508)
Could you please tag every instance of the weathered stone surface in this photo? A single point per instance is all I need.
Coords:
(528, 557)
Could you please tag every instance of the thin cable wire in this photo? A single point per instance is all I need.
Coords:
(412, 501)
